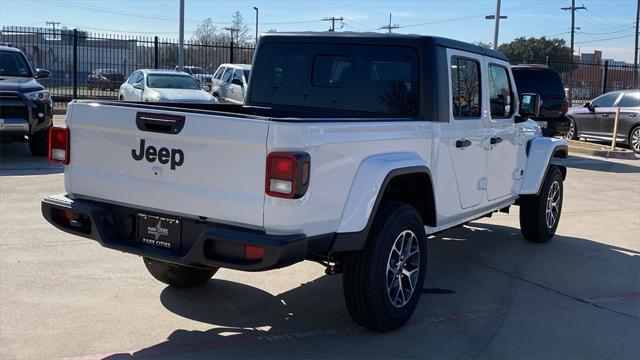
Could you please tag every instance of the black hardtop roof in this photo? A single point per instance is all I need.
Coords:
(379, 38)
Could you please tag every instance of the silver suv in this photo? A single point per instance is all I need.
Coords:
(230, 82)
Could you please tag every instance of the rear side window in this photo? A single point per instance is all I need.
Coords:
(538, 81)
(363, 78)
(630, 99)
(465, 86)
(219, 72)
(227, 74)
(500, 94)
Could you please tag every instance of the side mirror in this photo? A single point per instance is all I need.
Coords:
(206, 88)
(529, 107)
(138, 86)
(588, 106)
(237, 82)
(42, 74)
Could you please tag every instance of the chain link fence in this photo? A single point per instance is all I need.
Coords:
(73, 55)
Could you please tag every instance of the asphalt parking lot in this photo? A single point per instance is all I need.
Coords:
(488, 293)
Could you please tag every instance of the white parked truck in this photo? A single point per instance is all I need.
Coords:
(350, 150)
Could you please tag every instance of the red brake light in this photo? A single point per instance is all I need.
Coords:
(252, 252)
(59, 145)
(565, 107)
(287, 174)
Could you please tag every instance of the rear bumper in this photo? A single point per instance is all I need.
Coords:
(555, 126)
(204, 244)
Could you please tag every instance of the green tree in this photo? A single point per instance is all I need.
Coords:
(536, 49)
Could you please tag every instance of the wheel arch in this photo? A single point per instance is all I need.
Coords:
(542, 152)
(408, 179)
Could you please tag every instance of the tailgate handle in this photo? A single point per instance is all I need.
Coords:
(159, 123)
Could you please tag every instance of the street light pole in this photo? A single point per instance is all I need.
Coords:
(256, 9)
(496, 30)
(181, 38)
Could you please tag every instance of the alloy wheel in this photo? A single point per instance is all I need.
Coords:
(403, 267)
(553, 204)
(635, 139)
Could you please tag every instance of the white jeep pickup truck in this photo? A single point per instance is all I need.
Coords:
(350, 150)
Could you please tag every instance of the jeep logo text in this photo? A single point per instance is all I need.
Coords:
(163, 155)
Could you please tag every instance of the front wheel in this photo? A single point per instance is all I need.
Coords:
(540, 214)
(634, 139)
(572, 133)
(383, 282)
(178, 275)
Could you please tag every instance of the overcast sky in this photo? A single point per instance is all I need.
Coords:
(607, 25)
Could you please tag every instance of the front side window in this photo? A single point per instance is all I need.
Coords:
(376, 80)
(171, 81)
(465, 86)
(219, 72)
(630, 99)
(500, 94)
(13, 63)
(227, 75)
(606, 100)
(237, 75)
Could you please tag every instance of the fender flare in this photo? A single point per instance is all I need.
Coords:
(366, 193)
(541, 152)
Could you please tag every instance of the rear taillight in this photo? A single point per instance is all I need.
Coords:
(59, 145)
(287, 174)
(565, 107)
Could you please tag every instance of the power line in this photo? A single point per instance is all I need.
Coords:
(607, 33)
(605, 39)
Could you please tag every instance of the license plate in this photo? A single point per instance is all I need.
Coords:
(159, 231)
(542, 124)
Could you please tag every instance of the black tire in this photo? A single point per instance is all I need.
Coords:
(572, 133)
(367, 277)
(536, 224)
(178, 275)
(39, 143)
(634, 139)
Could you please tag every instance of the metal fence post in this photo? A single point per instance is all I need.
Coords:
(155, 52)
(605, 76)
(231, 51)
(75, 64)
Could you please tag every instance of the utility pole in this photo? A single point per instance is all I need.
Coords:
(232, 30)
(497, 17)
(390, 26)
(333, 20)
(53, 25)
(573, 9)
(635, 54)
(181, 38)
(256, 9)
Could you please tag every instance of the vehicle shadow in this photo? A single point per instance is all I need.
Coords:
(602, 165)
(16, 160)
(479, 275)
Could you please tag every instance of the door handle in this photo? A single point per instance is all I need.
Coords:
(632, 115)
(605, 115)
(463, 143)
(495, 140)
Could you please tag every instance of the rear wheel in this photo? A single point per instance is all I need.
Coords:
(383, 282)
(634, 139)
(178, 275)
(39, 143)
(540, 214)
(572, 133)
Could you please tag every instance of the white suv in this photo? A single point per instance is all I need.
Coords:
(230, 82)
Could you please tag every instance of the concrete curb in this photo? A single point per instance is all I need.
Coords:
(579, 147)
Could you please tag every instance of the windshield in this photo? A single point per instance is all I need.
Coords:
(543, 82)
(171, 81)
(363, 78)
(198, 70)
(13, 63)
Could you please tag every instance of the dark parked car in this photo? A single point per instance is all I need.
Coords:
(201, 75)
(25, 105)
(105, 79)
(595, 119)
(542, 80)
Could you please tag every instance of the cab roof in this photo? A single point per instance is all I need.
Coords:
(413, 40)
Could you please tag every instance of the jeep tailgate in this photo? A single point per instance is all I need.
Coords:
(213, 167)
